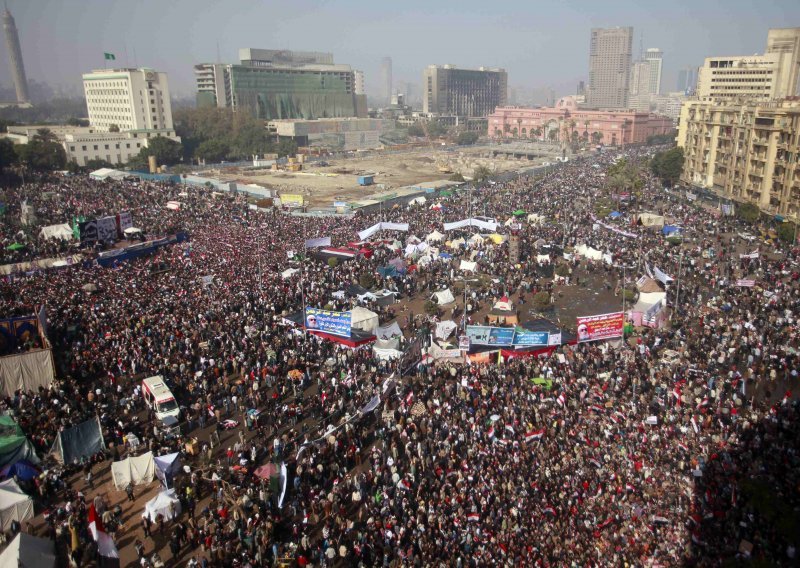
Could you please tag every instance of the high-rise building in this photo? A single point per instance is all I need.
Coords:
(785, 42)
(610, 53)
(15, 57)
(276, 84)
(448, 90)
(773, 75)
(386, 80)
(359, 87)
(744, 150)
(654, 57)
(639, 86)
(130, 99)
(581, 91)
(680, 85)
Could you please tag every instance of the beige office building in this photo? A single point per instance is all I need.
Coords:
(131, 99)
(773, 75)
(746, 151)
(610, 52)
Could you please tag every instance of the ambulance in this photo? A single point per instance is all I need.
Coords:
(158, 397)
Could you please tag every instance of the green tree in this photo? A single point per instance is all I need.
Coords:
(481, 174)
(166, 151)
(457, 177)
(8, 157)
(786, 232)
(113, 128)
(668, 165)
(96, 164)
(748, 212)
(596, 137)
(541, 300)
(467, 138)
(416, 130)
(366, 280)
(43, 152)
(286, 148)
(212, 151)
(73, 121)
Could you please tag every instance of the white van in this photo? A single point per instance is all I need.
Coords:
(158, 397)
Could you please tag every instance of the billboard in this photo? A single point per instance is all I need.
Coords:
(326, 321)
(603, 326)
(525, 338)
(293, 199)
(482, 335)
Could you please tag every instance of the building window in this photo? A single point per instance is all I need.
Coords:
(83, 148)
(95, 147)
(72, 148)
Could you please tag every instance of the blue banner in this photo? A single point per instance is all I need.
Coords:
(326, 321)
(531, 338)
(482, 335)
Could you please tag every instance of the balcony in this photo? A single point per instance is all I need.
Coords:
(760, 141)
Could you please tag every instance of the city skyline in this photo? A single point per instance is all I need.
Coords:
(538, 52)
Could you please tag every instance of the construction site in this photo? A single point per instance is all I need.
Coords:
(324, 180)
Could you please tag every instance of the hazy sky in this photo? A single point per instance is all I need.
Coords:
(540, 43)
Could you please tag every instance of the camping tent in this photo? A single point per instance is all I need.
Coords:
(650, 220)
(23, 470)
(26, 551)
(166, 467)
(444, 297)
(588, 252)
(135, 470)
(85, 439)
(503, 304)
(669, 229)
(363, 319)
(165, 504)
(435, 236)
(15, 504)
(62, 231)
(14, 446)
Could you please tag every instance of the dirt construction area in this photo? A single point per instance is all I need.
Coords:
(338, 180)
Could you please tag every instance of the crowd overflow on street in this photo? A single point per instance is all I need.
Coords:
(279, 445)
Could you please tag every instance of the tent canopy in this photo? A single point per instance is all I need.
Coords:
(62, 231)
(23, 470)
(165, 504)
(444, 297)
(503, 304)
(435, 236)
(363, 319)
(669, 229)
(137, 470)
(520, 213)
(84, 439)
(14, 446)
(15, 504)
(615, 214)
(589, 252)
(27, 551)
(166, 467)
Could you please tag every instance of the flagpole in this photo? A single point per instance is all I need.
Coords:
(303, 279)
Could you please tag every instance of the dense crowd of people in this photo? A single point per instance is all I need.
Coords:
(677, 447)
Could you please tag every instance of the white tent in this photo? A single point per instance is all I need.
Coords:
(26, 551)
(467, 265)
(165, 504)
(386, 354)
(476, 238)
(651, 220)
(543, 258)
(136, 470)
(588, 252)
(434, 237)
(288, 273)
(15, 504)
(535, 219)
(444, 297)
(388, 331)
(132, 231)
(363, 319)
(445, 328)
(418, 200)
(62, 231)
(456, 243)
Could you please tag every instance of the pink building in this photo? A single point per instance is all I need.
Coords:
(566, 122)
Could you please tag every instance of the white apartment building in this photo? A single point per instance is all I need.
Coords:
(654, 57)
(610, 52)
(358, 83)
(773, 75)
(131, 99)
(639, 86)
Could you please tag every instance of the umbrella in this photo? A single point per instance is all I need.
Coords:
(520, 213)
(15, 246)
(295, 374)
(266, 471)
(90, 287)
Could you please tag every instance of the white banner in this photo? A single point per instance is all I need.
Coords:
(367, 233)
(318, 242)
(662, 276)
(485, 225)
(554, 339)
(753, 255)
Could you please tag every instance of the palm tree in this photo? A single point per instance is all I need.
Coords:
(538, 132)
(44, 135)
(625, 124)
(597, 137)
(519, 125)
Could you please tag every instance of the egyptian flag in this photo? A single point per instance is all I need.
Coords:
(535, 435)
(594, 462)
(409, 398)
(786, 397)
(703, 403)
(105, 545)
(684, 447)
(676, 392)
(562, 399)
(490, 432)
(473, 517)
(549, 510)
